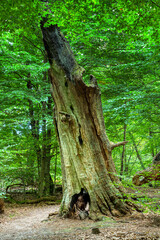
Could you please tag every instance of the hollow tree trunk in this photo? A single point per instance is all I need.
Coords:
(85, 149)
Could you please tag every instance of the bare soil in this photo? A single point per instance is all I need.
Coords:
(31, 222)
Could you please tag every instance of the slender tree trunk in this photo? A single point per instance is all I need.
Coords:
(46, 182)
(34, 131)
(138, 155)
(123, 152)
(49, 147)
(152, 145)
(127, 161)
(42, 187)
(85, 149)
(37, 147)
(55, 171)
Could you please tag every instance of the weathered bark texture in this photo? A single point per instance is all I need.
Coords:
(150, 174)
(85, 149)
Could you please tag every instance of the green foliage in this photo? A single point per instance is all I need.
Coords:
(24, 89)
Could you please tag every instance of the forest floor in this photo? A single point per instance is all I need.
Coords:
(31, 222)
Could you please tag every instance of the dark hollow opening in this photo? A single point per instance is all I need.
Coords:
(71, 107)
(66, 84)
(80, 204)
(80, 140)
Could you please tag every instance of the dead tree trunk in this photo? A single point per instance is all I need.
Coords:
(85, 148)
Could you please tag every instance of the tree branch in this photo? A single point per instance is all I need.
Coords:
(113, 145)
(29, 41)
(154, 132)
(155, 4)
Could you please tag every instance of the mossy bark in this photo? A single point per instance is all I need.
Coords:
(149, 174)
(85, 148)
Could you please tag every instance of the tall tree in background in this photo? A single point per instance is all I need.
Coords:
(27, 113)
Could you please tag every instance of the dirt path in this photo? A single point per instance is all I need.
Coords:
(23, 222)
(32, 223)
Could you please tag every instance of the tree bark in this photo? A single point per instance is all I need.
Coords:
(123, 152)
(85, 148)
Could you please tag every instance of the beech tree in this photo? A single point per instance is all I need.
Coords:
(86, 151)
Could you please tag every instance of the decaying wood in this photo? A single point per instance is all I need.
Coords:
(52, 199)
(150, 174)
(19, 186)
(86, 158)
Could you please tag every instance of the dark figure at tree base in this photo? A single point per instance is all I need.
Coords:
(79, 206)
